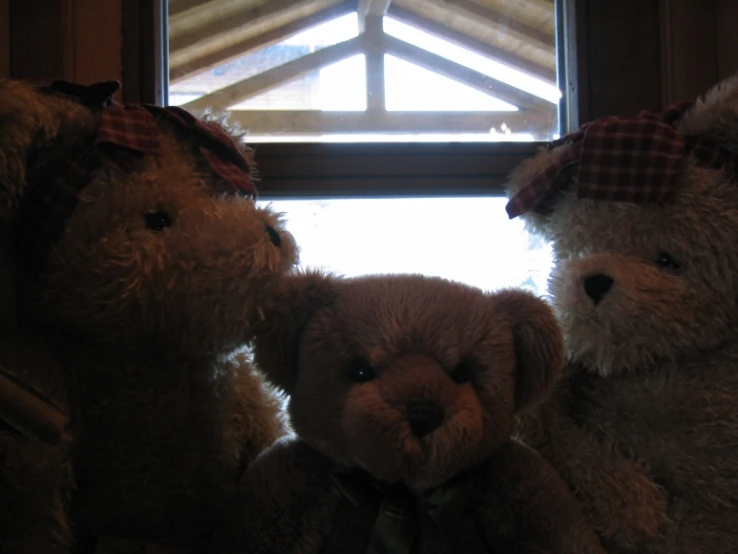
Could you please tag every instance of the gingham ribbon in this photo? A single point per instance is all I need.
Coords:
(57, 172)
(134, 128)
(621, 159)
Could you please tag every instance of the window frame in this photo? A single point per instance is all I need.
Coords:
(358, 169)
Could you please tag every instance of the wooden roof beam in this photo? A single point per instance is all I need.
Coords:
(470, 77)
(372, 7)
(239, 23)
(478, 46)
(179, 71)
(472, 10)
(315, 122)
(371, 15)
(226, 97)
(179, 7)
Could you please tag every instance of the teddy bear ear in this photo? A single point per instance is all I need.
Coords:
(277, 340)
(538, 221)
(26, 120)
(539, 346)
(714, 116)
(31, 115)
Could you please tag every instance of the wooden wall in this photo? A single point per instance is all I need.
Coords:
(631, 54)
(644, 54)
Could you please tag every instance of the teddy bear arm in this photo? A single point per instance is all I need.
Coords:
(529, 506)
(284, 504)
(618, 493)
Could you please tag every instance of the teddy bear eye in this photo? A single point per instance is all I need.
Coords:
(157, 221)
(360, 371)
(666, 261)
(462, 373)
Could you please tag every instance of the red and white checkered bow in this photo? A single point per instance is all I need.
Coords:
(621, 159)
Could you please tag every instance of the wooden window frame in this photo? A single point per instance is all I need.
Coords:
(356, 169)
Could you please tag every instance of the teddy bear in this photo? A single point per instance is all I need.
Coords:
(402, 392)
(642, 216)
(139, 262)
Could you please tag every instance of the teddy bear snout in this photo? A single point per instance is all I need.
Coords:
(424, 417)
(597, 286)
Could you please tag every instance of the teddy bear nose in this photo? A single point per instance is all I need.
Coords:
(424, 417)
(274, 236)
(597, 286)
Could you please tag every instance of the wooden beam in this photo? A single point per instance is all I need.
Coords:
(238, 23)
(374, 57)
(470, 77)
(390, 169)
(179, 7)
(478, 46)
(472, 10)
(242, 90)
(315, 122)
(181, 71)
(373, 7)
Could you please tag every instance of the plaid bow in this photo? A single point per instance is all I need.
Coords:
(58, 172)
(135, 129)
(621, 159)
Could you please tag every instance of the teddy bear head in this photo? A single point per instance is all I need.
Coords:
(134, 226)
(642, 217)
(412, 379)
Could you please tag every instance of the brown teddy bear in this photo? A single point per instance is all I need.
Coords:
(402, 392)
(642, 216)
(141, 261)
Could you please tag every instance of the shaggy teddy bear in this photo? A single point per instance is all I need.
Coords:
(142, 261)
(402, 395)
(642, 216)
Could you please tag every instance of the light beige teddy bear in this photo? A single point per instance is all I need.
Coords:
(642, 215)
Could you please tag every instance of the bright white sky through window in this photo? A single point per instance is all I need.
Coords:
(464, 239)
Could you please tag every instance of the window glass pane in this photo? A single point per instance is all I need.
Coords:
(464, 239)
(318, 70)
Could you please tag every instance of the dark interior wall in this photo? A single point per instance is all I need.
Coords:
(631, 54)
(644, 54)
(79, 40)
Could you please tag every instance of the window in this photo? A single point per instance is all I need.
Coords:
(384, 128)
(333, 70)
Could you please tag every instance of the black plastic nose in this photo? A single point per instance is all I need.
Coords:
(274, 236)
(424, 417)
(597, 286)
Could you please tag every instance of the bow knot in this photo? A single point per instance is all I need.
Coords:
(620, 159)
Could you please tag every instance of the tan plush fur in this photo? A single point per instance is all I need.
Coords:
(357, 357)
(148, 324)
(645, 425)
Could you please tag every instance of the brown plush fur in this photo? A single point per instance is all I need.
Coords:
(417, 337)
(645, 426)
(148, 325)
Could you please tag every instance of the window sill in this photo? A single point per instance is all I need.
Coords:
(346, 170)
